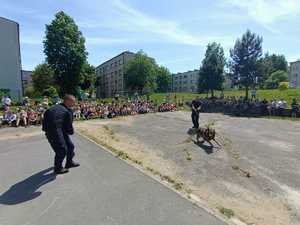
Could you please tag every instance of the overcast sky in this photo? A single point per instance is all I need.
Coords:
(174, 32)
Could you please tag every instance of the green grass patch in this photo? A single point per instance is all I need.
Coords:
(287, 95)
(226, 212)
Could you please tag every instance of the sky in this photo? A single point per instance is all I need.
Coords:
(174, 32)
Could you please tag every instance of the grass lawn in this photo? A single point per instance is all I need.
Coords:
(287, 95)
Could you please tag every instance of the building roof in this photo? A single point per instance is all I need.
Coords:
(128, 52)
(298, 61)
(9, 20)
(186, 72)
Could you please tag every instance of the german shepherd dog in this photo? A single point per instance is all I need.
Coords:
(207, 134)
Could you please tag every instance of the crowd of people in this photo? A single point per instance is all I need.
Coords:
(31, 112)
(253, 106)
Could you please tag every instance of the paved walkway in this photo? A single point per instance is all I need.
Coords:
(103, 191)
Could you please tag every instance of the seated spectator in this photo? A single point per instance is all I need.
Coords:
(32, 117)
(9, 118)
(77, 112)
(21, 117)
(45, 101)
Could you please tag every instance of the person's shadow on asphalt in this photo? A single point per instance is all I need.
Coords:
(27, 189)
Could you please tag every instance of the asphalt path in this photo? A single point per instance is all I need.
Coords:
(102, 191)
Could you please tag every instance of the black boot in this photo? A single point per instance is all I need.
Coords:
(61, 171)
(71, 164)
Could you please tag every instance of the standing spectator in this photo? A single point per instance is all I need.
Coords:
(253, 93)
(295, 108)
(56, 100)
(222, 95)
(25, 102)
(264, 107)
(273, 108)
(281, 107)
(6, 101)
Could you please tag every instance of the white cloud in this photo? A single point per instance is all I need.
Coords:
(132, 20)
(267, 12)
(105, 41)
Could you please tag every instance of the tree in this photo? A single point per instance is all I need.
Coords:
(212, 69)
(245, 58)
(42, 78)
(65, 52)
(88, 77)
(275, 79)
(140, 73)
(163, 79)
(272, 63)
(51, 92)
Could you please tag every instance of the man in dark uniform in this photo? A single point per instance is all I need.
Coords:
(57, 124)
(196, 106)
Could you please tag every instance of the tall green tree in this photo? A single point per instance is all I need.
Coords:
(212, 70)
(65, 52)
(245, 58)
(140, 73)
(272, 63)
(42, 78)
(88, 77)
(163, 79)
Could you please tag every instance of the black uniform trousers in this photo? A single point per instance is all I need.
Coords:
(195, 119)
(62, 145)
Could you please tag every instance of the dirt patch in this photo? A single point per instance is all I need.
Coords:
(247, 178)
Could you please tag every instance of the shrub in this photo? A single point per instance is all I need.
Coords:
(4, 92)
(31, 92)
(283, 86)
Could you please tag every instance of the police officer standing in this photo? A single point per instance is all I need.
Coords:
(57, 125)
(196, 106)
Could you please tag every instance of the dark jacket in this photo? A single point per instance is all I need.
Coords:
(196, 105)
(58, 117)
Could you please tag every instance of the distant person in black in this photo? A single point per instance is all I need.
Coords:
(57, 124)
(196, 106)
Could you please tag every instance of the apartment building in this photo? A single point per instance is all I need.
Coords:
(10, 58)
(294, 76)
(26, 79)
(185, 82)
(110, 75)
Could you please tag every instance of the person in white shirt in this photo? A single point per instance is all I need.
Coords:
(281, 106)
(6, 101)
(9, 118)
